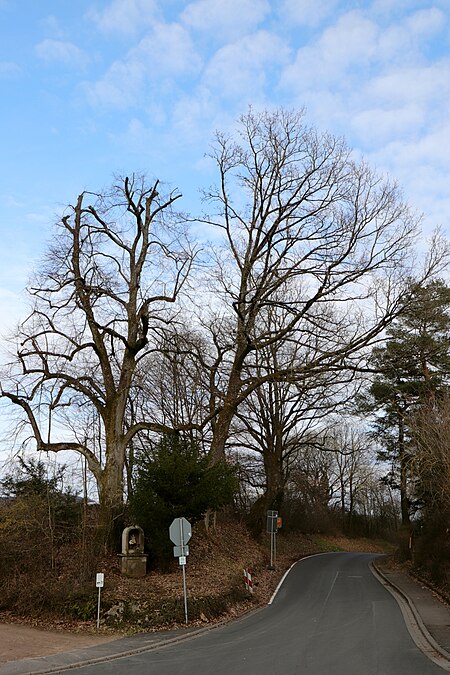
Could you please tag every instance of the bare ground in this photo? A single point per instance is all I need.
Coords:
(20, 641)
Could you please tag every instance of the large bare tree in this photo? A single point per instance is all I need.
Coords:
(282, 417)
(305, 227)
(117, 265)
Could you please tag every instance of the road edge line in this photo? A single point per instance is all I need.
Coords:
(280, 582)
(312, 555)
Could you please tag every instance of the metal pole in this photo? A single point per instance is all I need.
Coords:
(184, 572)
(185, 593)
(98, 608)
(271, 550)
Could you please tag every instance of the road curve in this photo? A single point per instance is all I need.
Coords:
(330, 617)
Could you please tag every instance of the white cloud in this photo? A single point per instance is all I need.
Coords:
(197, 116)
(52, 25)
(379, 125)
(120, 87)
(307, 12)
(226, 18)
(11, 201)
(240, 73)
(164, 53)
(412, 85)
(356, 44)
(379, 85)
(404, 41)
(391, 7)
(433, 148)
(350, 43)
(243, 69)
(138, 135)
(61, 52)
(425, 22)
(9, 69)
(422, 167)
(124, 16)
(169, 50)
(370, 80)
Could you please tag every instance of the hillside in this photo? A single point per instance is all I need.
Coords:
(214, 577)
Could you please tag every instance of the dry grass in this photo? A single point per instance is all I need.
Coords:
(214, 576)
(215, 582)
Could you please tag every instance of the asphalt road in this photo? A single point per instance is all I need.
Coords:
(330, 617)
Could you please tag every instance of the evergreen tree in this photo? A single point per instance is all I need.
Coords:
(413, 369)
(174, 479)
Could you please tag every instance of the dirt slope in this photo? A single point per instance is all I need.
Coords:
(215, 584)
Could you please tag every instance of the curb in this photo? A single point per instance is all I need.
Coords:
(120, 654)
(101, 659)
(414, 623)
(416, 627)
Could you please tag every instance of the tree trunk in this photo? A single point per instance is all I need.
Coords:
(111, 510)
(273, 497)
(225, 417)
(404, 501)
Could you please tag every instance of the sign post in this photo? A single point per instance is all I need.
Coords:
(180, 533)
(99, 582)
(272, 527)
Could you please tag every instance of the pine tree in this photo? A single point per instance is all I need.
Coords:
(413, 369)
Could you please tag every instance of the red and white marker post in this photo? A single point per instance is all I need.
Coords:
(248, 580)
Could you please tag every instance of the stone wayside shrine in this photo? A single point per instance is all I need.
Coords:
(133, 560)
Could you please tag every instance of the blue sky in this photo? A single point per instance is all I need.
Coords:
(93, 88)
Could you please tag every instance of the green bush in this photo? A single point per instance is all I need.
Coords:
(173, 479)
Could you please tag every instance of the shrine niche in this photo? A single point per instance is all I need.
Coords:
(133, 560)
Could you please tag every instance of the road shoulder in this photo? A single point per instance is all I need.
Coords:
(427, 617)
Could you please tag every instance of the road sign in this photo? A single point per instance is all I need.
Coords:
(180, 531)
(99, 582)
(272, 528)
(272, 517)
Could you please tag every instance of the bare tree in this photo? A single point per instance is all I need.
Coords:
(279, 419)
(101, 301)
(170, 388)
(173, 381)
(353, 468)
(430, 465)
(340, 475)
(310, 488)
(305, 227)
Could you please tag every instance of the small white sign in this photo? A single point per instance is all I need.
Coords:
(100, 580)
(182, 560)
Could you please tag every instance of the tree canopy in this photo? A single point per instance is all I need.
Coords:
(125, 338)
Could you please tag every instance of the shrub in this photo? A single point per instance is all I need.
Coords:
(174, 479)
